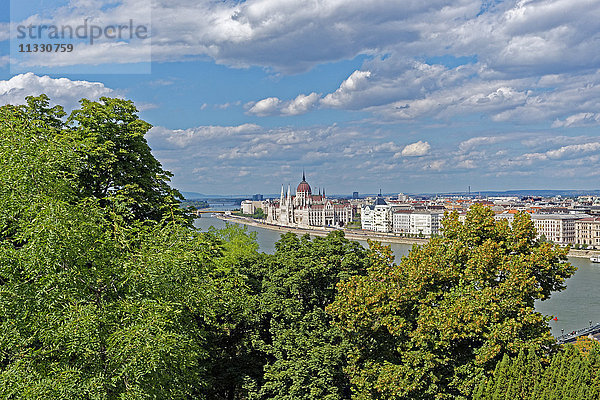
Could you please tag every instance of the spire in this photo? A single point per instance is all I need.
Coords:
(379, 192)
(303, 178)
(289, 196)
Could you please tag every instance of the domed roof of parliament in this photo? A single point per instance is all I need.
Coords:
(303, 186)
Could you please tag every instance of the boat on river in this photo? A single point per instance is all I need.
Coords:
(595, 259)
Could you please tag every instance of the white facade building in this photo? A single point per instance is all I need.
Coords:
(417, 223)
(250, 206)
(377, 217)
(247, 207)
(557, 228)
(425, 223)
(587, 231)
(401, 222)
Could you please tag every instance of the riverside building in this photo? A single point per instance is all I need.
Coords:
(303, 209)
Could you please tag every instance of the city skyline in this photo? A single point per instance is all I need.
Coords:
(423, 97)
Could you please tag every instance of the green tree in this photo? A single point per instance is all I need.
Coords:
(571, 373)
(259, 214)
(116, 164)
(100, 307)
(112, 160)
(432, 325)
(304, 354)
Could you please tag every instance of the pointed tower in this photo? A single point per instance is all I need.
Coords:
(289, 207)
(281, 198)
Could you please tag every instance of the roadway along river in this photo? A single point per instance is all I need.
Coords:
(574, 307)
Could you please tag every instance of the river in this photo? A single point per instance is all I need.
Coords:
(574, 307)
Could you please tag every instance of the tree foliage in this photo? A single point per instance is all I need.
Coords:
(571, 374)
(305, 354)
(106, 292)
(430, 326)
(95, 304)
(109, 138)
(110, 158)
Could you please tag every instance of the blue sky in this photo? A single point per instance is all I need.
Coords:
(407, 96)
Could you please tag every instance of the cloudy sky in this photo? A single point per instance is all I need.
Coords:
(407, 96)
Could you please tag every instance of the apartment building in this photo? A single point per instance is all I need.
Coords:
(418, 223)
(587, 231)
(557, 228)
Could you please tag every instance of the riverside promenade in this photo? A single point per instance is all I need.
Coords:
(355, 234)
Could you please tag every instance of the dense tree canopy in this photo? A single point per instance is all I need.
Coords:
(572, 374)
(430, 326)
(110, 158)
(305, 353)
(116, 163)
(107, 292)
(93, 306)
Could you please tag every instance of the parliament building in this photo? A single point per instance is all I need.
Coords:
(305, 209)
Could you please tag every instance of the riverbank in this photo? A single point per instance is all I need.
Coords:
(360, 235)
(318, 231)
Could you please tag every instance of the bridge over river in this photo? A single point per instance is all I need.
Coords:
(593, 331)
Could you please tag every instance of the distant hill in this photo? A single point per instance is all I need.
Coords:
(193, 195)
(486, 193)
(522, 193)
(196, 196)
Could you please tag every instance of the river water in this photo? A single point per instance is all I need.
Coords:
(574, 307)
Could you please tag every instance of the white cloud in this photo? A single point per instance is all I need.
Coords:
(4, 31)
(579, 119)
(61, 91)
(161, 82)
(273, 156)
(419, 148)
(570, 151)
(436, 165)
(265, 107)
(274, 106)
(531, 61)
(227, 105)
(528, 68)
(355, 82)
(301, 104)
(479, 141)
(181, 138)
(513, 37)
(467, 164)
